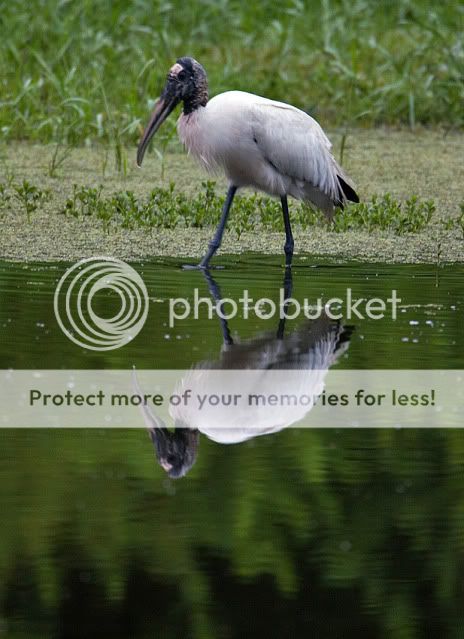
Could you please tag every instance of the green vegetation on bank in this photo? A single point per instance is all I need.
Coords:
(381, 161)
(81, 72)
(167, 209)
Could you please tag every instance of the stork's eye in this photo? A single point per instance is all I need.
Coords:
(182, 75)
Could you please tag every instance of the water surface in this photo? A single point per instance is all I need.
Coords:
(428, 332)
(324, 533)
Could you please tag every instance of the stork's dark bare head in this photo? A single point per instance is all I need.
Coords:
(186, 82)
(193, 84)
(176, 450)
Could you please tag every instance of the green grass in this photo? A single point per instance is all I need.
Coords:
(166, 208)
(458, 222)
(29, 197)
(87, 72)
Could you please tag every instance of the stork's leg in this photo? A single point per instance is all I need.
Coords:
(289, 243)
(288, 287)
(216, 241)
(216, 294)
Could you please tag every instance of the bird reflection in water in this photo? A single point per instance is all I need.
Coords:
(304, 356)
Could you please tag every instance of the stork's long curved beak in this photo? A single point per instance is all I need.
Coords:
(165, 105)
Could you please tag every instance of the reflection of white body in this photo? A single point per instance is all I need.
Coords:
(293, 366)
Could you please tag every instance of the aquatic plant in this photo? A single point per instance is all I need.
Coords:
(387, 213)
(29, 196)
(168, 208)
(5, 197)
(460, 220)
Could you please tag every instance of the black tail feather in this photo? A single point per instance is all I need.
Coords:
(346, 190)
(345, 335)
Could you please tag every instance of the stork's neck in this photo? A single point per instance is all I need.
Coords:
(198, 98)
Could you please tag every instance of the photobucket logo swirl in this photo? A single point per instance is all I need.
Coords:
(75, 297)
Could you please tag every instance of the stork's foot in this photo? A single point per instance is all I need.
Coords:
(288, 258)
(288, 249)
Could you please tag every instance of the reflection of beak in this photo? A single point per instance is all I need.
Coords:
(152, 421)
(165, 105)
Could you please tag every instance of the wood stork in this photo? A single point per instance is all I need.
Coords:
(267, 145)
(276, 364)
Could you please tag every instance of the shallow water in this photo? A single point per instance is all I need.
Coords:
(428, 332)
(331, 533)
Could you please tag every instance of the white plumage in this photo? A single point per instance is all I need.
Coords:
(267, 145)
(264, 144)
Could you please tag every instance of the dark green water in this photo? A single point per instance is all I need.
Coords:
(324, 533)
(428, 333)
